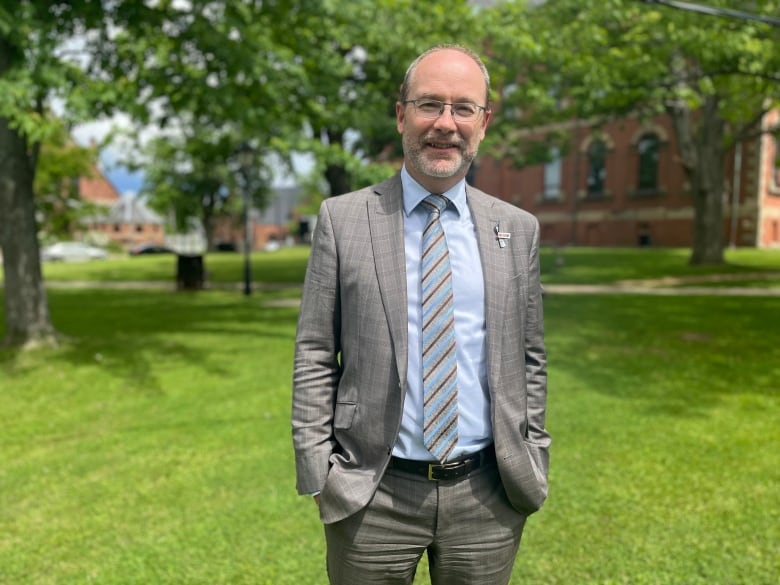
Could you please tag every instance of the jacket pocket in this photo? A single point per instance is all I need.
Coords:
(345, 413)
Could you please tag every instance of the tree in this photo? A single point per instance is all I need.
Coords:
(33, 70)
(224, 76)
(715, 77)
(197, 63)
(59, 208)
(354, 55)
(335, 97)
(194, 175)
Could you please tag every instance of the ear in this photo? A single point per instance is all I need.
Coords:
(485, 121)
(400, 117)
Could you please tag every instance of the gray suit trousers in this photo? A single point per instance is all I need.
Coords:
(468, 528)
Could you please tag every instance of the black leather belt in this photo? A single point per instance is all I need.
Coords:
(444, 471)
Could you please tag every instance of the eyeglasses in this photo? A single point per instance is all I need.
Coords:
(432, 109)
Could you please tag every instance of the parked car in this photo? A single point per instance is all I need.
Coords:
(72, 252)
(149, 249)
(225, 247)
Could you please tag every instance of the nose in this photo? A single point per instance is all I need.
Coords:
(446, 119)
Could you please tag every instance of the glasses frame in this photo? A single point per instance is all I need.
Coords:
(452, 105)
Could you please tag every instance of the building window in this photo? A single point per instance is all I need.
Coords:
(597, 167)
(648, 148)
(552, 175)
(776, 173)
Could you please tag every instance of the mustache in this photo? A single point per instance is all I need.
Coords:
(450, 137)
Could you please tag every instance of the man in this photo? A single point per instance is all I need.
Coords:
(418, 416)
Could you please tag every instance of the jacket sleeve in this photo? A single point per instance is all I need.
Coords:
(317, 371)
(536, 359)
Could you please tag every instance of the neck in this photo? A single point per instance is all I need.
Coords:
(436, 185)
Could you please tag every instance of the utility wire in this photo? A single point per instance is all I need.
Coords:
(712, 11)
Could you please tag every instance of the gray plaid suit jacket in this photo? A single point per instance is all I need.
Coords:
(351, 348)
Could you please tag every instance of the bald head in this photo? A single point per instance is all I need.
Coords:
(409, 78)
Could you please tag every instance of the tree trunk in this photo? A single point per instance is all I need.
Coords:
(207, 217)
(702, 153)
(338, 179)
(27, 318)
(336, 174)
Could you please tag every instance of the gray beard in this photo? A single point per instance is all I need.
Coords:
(413, 152)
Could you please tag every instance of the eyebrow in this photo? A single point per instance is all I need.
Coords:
(438, 97)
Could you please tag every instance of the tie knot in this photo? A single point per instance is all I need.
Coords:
(435, 203)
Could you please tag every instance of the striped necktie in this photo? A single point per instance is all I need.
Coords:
(440, 392)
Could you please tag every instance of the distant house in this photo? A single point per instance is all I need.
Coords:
(623, 185)
(126, 220)
(269, 225)
(129, 221)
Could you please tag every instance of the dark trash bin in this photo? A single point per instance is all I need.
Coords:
(189, 272)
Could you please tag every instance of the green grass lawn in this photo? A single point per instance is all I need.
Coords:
(284, 266)
(608, 265)
(559, 266)
(153, 446)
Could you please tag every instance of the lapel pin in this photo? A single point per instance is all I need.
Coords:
(502, 237)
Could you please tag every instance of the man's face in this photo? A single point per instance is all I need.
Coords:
(438, 151)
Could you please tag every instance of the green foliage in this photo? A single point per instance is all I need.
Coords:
(591, 59)
(596, 61)
(58, 203)
(192, 177)
(354, 55)
(43, 61)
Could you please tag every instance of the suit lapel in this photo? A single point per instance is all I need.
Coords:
(385, 217)
(493, 260)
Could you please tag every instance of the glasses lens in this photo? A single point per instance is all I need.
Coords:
(429, 108)
(465, 111)
(434, 108)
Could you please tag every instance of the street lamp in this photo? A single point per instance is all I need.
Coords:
(245, 155)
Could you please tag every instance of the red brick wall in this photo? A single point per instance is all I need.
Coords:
(769, 219)
(623, 216)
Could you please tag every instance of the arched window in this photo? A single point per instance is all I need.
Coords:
(597, 167)
(776, 174)
(648, 148)
(552, 175)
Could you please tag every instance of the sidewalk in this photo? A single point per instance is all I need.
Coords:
(667, 286)
(672, 285)
(618, 288)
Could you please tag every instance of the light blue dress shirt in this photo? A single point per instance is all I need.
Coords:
(474, 426)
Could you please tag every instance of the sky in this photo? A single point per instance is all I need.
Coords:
(125, 181)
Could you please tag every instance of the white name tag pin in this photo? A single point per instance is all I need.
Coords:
(502, 237)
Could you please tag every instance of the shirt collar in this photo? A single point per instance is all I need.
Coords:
(414, 193)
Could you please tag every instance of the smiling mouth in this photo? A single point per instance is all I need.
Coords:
(442, 145)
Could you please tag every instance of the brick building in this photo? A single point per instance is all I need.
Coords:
(128, 221)
(269, 225)
(125, 220)
(623, 185)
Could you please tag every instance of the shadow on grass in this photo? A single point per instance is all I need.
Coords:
(130, 330)
(673, 355)
(676, 356)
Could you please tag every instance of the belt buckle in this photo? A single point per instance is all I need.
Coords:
(442, 466)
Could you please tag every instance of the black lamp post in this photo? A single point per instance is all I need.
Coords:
(245, 156)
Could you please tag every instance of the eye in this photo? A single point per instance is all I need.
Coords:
(429, 106)
(465, 110)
